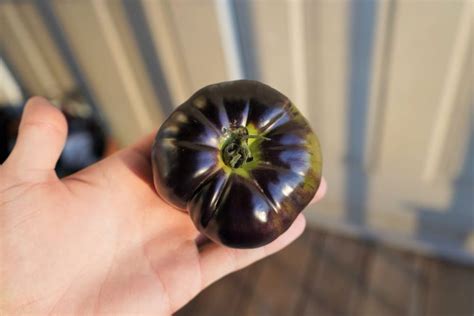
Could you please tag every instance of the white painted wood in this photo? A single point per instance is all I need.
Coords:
(421, 49)
(327, 42)
(380, 71)
(461, 121)
(196, 24)
(327, 38)
(17, 39)
(271, 33)
(462, 47)
(168, 49)
(280, 40)
(110, 65)
(298, 57)
(419, 107)
(229, 39)
(123, 65)
(10, 92)
(16, 57)
(45, 44)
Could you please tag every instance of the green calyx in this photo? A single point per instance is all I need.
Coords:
(235, 149)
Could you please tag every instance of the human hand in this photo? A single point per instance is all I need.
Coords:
(100, 241)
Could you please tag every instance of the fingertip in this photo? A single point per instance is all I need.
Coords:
(300, 224)
(323, 187)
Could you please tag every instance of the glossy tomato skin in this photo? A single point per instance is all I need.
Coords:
(252, 204)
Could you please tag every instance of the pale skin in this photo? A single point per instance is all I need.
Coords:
(100, 241)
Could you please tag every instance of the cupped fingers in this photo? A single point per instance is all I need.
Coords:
(217, 261)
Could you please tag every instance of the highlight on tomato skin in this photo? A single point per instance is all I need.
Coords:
(241, 159)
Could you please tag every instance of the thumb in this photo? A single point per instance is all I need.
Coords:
(41, 138)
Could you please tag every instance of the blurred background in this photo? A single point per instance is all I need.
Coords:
(387, 85)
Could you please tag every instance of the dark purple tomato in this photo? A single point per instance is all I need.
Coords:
(241, 159)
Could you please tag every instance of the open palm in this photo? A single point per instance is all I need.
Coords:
(100, 241)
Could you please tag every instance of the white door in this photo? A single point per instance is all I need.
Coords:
(387, 85)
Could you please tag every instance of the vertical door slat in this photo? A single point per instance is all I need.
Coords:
(448, 103)
(10, 92)
(21, 47)
(197, 29)
(168, 49)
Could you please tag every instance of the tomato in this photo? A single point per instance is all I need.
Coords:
(241, 159)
